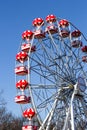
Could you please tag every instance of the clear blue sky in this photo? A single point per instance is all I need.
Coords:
(15, 17)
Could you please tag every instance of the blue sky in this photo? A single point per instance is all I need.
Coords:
(16, 16)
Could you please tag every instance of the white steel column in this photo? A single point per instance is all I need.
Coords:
(50, 115)
(72, 111)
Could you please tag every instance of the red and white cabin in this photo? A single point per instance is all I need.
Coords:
(26, 47)
(64, 33)
(84, 49)
(38, 22)
(63, 23)
(76, 43)
(51, 18)
(21, 70)
(51, 29)
(27, 35)
(21, 57)
(22, 84)
(29, 113)
(35, 127)
(76, 34)
(27, 127)
(64, 28)
(22, 99)
(39, 34)
(84, 59)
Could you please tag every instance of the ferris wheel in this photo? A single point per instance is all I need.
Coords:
(51, 76)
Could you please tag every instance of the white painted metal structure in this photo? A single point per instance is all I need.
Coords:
(57, 75)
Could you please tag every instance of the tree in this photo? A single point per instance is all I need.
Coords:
(7, 120)
(2, 101)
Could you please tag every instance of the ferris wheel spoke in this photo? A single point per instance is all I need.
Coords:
(53, 72)
(43, 86)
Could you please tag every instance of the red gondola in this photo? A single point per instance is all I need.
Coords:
(51, 18)
(64, 33)
(51, 29)
(76, 33)
(21, 57)
(63, 23)
(29, 113)
(27, 127)
(27, 35)
(39, 34)
(84, 58)
(22, 99)
(22, 84)
(35, 127)
(76, 43)
(64, 30)
(84, 48)
(21, 70)
(38, 22)
(26, 47)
